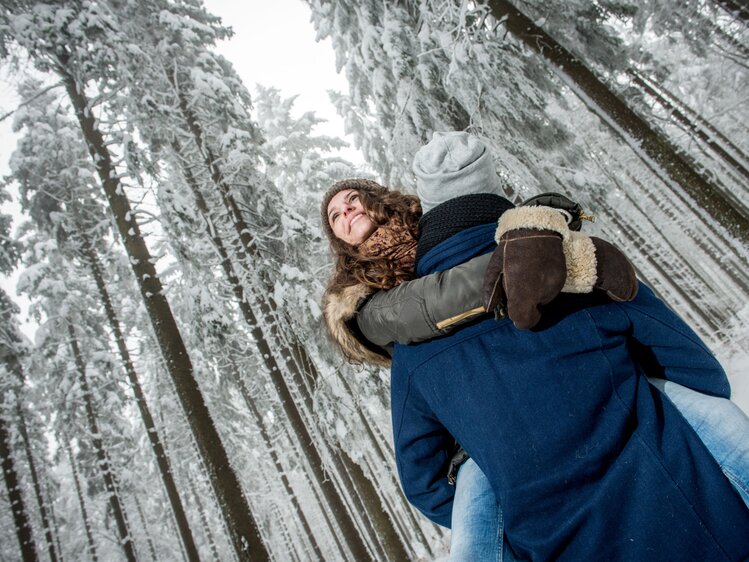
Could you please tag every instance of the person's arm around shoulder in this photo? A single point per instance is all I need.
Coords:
(433, 305)
(426, 307)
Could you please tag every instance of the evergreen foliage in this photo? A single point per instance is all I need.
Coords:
(170, 249)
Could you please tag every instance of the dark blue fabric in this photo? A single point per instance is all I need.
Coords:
(588, 461)
(476, 241)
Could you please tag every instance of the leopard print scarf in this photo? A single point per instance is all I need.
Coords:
(392, 241)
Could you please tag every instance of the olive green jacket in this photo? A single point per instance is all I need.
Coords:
(365, 323)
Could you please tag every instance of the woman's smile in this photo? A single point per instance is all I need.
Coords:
(348, 219)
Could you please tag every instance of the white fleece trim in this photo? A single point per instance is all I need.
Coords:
(579, 251)
(537, 218)
(338, 309)
(582, 265)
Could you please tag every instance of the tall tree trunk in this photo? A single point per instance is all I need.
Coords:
(243, 530)
(624, 121)
(81, 500)
(35, 482)
(268, 444)
(737, 8)
(13, 364)
(15, 497)
(146, 530)
(204, 521)
(53, 518)
(105, 467)
(162, 460)
(695, 124)
(354, 541)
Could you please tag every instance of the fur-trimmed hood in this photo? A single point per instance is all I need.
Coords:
(339, 310)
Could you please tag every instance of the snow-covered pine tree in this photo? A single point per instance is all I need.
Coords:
(196, 108)
(55, 179)
(77, 45)
(15, 416)
(617, 55)
(299, 163)
(12, 349)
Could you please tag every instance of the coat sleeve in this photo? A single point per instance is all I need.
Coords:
(423, 449)
(667, 348)
(426, 307)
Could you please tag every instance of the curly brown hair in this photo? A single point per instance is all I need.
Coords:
(381, 205)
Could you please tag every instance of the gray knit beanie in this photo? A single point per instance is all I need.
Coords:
(453, 164)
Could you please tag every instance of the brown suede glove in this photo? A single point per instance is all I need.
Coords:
(615, 275)
(528, 269)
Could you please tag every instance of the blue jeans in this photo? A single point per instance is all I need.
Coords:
(721, 425)
(477, 530)
(476, 533)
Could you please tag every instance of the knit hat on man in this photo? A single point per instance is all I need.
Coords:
(453, 164)
(361, 185)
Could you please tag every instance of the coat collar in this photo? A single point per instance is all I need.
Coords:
(458, 248)
(456, 215)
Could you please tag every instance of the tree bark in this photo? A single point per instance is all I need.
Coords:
(81, 501)
(694, 123)
(204, 521)
(15, 497)
(146, 530)
(35, 482)
(268, 443)
(677, 166)
(13, 364)
(738, 8)
(243, 530)
(53, 519)
(105, 467)
(162, 460)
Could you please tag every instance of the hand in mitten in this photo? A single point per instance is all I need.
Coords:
(614, 273)
(538, 257)
(528, 269)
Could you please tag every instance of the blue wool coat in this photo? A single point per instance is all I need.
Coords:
(587, 460)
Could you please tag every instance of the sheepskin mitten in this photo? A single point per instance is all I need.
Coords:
(615, 275)
(536, 250)
(528, 267)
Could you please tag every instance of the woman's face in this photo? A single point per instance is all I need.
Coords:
(348, 219)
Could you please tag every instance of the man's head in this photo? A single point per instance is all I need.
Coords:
(453, 164)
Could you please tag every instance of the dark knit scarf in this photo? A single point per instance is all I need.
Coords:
(393, 241)
(456, 215)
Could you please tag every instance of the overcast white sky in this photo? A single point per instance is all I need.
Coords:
(274, 45)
